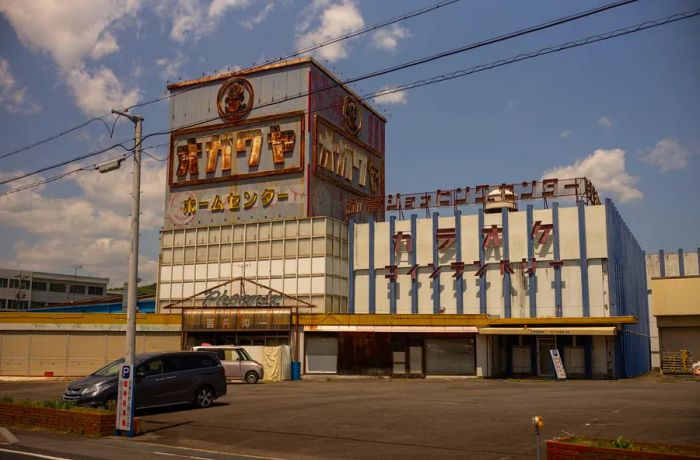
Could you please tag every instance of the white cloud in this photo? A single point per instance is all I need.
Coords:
(98, 91)
(71, 35)
(12, 97)
(388, 38)
(605, 122)
(668, 155)
(606, 169)
(107, 44)
(219, 7)
(91, 228)
(336, 19)
(565, 134)
(170, 67)
(250, 23)
(193, 19)
(389, 96)
(68, 34)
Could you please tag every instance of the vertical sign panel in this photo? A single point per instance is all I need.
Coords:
(125, 398)
(558, 365)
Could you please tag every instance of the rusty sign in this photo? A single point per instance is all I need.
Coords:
(579, 188)
(345, 161)
(232, 151)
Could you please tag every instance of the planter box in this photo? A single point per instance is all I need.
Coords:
(97, 423)
(567, 449)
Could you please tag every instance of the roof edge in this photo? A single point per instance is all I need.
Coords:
(271, 66)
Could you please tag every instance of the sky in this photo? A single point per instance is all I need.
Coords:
(623, 112)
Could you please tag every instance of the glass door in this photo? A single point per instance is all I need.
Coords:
(415, 357)
(545, 366)
(398, 352)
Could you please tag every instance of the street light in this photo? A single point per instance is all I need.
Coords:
(130, 354)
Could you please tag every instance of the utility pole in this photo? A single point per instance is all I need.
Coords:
(134, 252)
(75, 280)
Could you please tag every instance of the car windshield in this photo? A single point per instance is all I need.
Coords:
(244, 354)
(111, 369)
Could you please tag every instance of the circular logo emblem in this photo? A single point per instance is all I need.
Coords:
(177, 210)
(235, 99)
(351, 114)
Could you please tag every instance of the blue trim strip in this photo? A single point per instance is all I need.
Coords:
(506, 256)
(681, 262)
(436, 264)
(662, 264)
(351, 265)
(392, 261)
(458, 258)
(482, 258)
(557, 271)
(612, 258)
(583, 256)
(532, 277)
(372, 271)
(414, 250)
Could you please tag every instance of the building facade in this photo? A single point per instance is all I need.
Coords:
(278, 230)
(20, 290)
(674, 296)
(563, 278)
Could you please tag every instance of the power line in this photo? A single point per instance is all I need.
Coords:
(388, 22)
(82, 168)
(542, 52)
(384, 71)
(461, 73)
(53, 137)
(331, 41)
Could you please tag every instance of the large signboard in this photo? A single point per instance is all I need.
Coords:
(259, 147)
(346, 161)
(578, 188)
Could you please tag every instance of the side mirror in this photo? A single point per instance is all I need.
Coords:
(140, 373)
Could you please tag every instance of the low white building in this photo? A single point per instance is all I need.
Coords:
(21, 289)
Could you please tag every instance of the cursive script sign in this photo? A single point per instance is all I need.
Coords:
(219, 299)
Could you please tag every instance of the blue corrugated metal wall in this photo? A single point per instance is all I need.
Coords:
(144, 306)
(628, 296)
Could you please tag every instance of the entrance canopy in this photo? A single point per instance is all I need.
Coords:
(353, 328)
(240, 293)
(609, 330)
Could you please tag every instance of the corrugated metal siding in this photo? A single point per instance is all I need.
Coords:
(628, 295)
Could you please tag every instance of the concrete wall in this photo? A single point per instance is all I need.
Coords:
(675, 296)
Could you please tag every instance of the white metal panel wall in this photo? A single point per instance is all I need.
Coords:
(596, 232)
(518, 236)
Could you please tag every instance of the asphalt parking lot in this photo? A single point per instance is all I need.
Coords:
(416, 418)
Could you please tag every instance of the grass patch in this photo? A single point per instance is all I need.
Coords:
(626, 444)
(51, 404)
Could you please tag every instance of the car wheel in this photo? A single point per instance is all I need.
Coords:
(251, 377)
(204, 397)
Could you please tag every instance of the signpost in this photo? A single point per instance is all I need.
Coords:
(125, 401)
(558, 365)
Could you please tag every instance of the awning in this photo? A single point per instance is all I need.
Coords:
(351, 328)
(608, 330)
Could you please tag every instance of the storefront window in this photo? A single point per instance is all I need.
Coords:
(450, 356)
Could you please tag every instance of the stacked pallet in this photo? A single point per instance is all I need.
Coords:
(676, 361)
